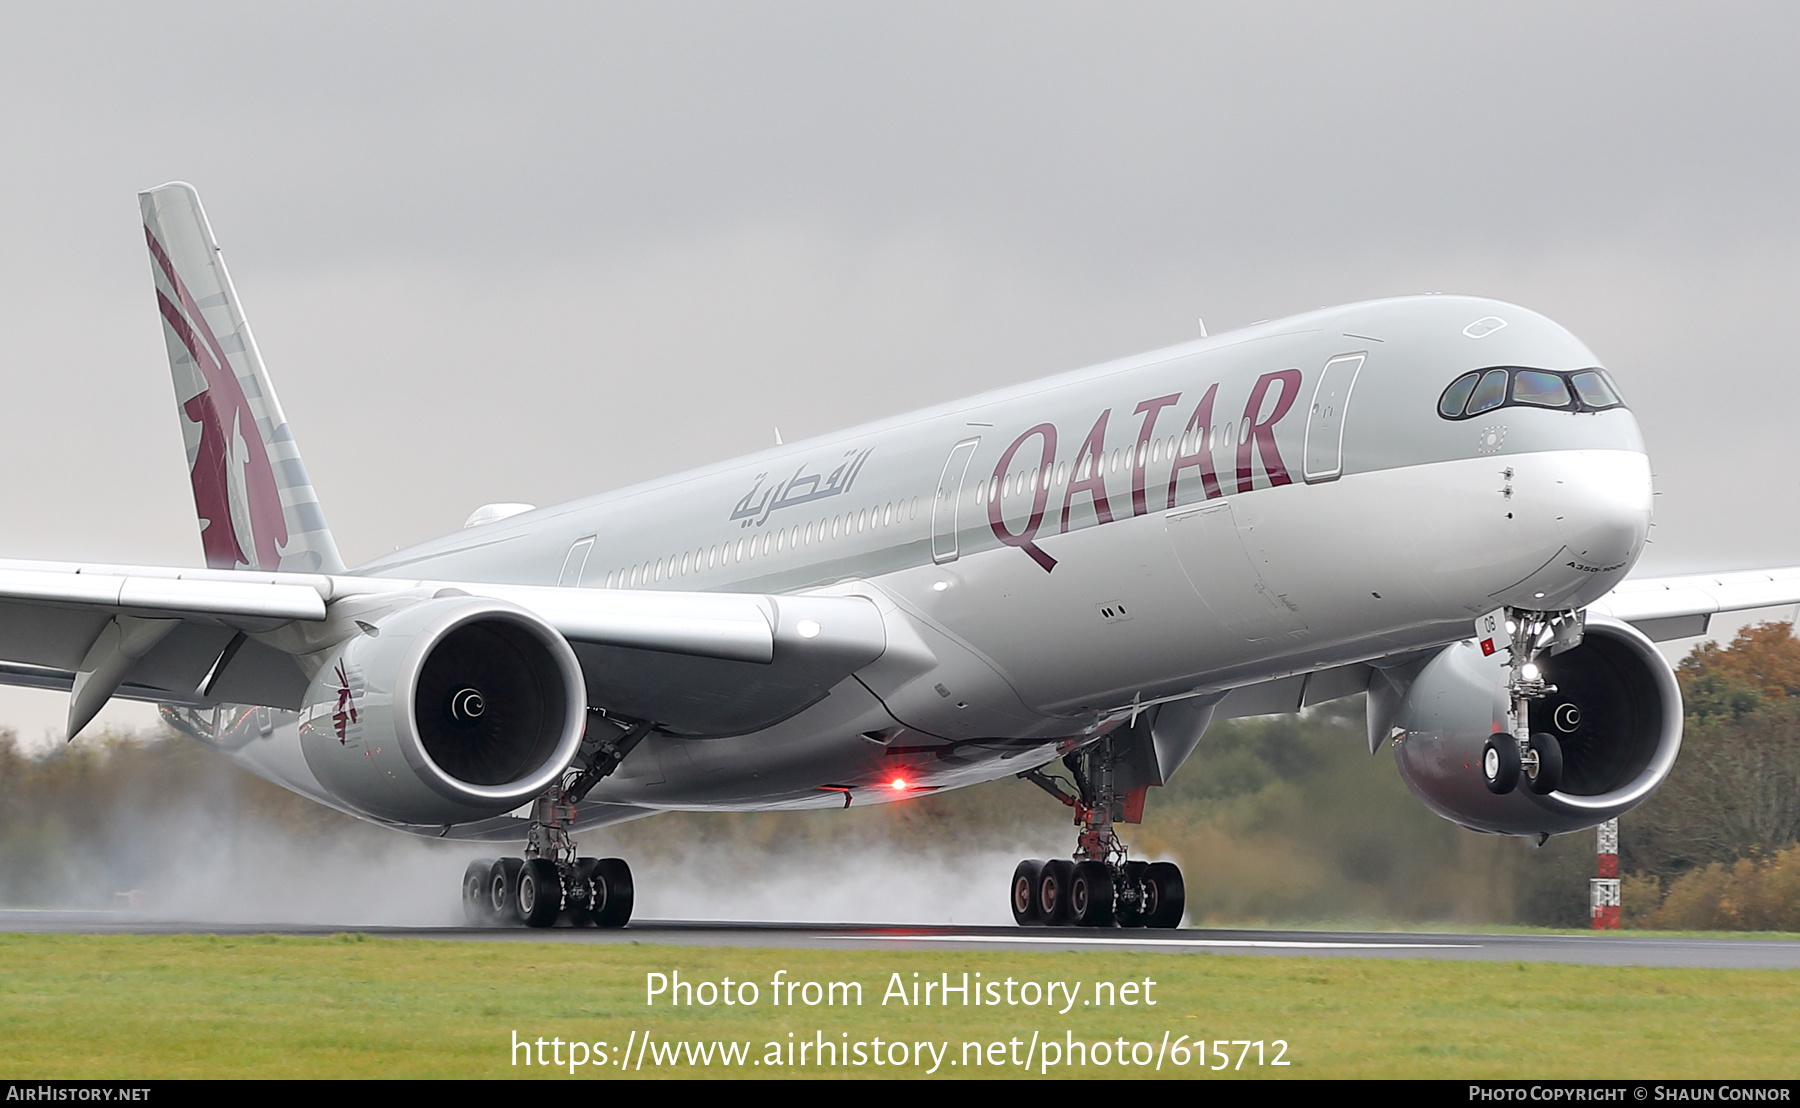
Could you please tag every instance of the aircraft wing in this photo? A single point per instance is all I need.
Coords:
(209, 636)
(1682, 607)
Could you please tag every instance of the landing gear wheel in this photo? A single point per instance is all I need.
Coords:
(1550, 764)
(1091, 895)
(1053, 891)
(503, 889)
(1024, 894)
(475, 893)
(1500, 763)
(588, 895)
(540, 895)
(1131, 907)
(1165, 897)
(613, 893)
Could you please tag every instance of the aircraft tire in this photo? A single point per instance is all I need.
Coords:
(1023, 895)
(540, 893)
(1053, 891)
(1168, 900)
(1091, 895)
(475, 893)
(1550, 764)
(1500, 763)
(503, 889)
(613, 892)
(1128, 912)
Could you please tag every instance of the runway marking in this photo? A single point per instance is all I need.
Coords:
(1083, 940)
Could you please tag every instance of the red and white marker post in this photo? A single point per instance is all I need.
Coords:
(1604, 889)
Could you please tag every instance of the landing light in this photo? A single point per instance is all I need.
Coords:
(1529, 671)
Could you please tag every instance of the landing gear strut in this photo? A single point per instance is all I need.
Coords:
(1101, 886)
(552, 883)
(1517, 755)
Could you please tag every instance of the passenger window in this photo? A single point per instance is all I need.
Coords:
(1490, 393)
(1541, 389)
(1451, 404)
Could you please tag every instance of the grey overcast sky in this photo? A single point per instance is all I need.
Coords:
(531, 251)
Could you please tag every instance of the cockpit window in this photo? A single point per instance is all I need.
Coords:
(1545, 390)
(1483, 390)
(1451, 405)
(1592, 387)
(1491, 393)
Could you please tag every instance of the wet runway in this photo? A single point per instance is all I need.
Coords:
(1597, 948)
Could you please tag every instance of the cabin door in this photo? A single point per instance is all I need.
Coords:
(1323, 458)
(948, 501)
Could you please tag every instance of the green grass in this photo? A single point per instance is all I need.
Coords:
(89, 1007)
(1453, 927)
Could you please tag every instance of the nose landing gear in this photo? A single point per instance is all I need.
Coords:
(1101, 886)
(1508, 758)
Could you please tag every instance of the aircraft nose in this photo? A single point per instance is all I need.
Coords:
(1594, 508)
(1606, 509)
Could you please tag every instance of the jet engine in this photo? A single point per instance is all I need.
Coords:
(1616, 714)
(450, 710)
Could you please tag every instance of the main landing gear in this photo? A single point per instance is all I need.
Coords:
(1099, 886)
(1517, 755)
(551, 884)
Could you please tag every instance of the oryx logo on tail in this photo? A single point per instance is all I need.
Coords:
(234, 484)
(256, 505)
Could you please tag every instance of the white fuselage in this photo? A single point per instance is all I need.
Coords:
(1052, 557)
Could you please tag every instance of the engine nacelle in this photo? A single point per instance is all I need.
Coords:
(454, 709)
(1617, 713)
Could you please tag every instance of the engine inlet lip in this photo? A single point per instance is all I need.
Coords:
(459, 612)
(1668, 744)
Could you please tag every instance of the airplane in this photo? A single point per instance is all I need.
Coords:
(1434, 501)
